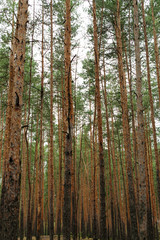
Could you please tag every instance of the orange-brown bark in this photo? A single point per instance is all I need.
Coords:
(51, 207)
(142, 204)
(126, 129)
(11, 179)
(69, 121)
(100, 135)
(156, 51)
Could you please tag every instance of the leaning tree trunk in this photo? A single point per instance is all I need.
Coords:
(69, 120)
(11, 178)
(100, 135)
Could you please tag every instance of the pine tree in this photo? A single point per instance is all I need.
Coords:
(100, 136)
(69, 120)
(10, 197)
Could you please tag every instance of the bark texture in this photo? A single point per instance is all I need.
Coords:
(126, 131)
(69, 120)
(51, 207)
(142, 208)
(156, 51)
(12, 172)
(100, 135)
(40, 172)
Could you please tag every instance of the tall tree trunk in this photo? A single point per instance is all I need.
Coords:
(126, 129)
(125, 185)
(12, 173)
(78, 180)
(156, 51)
(94, 226)
(1, 135)
(151, 102)
(59, 209)
(114, 174)
(35, 181)
(68, 126)
(10, 97)
(100, 135)
(151, 180)
(134, 135)
(109, 150)
(39, 216)
(29, 223)
(23, 180)
(51, 207)
(73, 178)
(140, 132)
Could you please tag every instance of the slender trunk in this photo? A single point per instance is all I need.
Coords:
(125, 185)
(35, 180)
(1, 139)
(35, 173)
(78, 180)
(91, 154)
(114, 173)
(109, 150)
(61, 142)
(151, 102)
(150, 232)
(39, 216)
(100, 135)
(23, 181)
(140, 132)
(151, 178)
(126, 129)
(29, 223)
(51, 207)
(134, 135)
(156, 51)
(43, 199)
(73, 178)
(95, 228)
(68, 126)
(10, 197)
(60, 176)
(10, 97)
(121, 206)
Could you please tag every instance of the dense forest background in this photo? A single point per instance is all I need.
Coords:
(80, 119)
